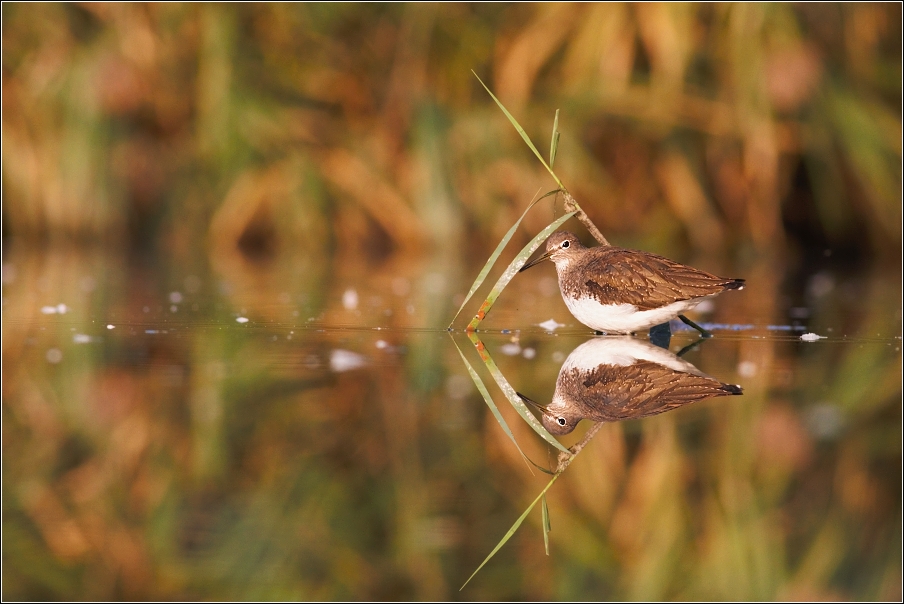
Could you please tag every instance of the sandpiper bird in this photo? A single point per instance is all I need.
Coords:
(613, 379)
(617, 290)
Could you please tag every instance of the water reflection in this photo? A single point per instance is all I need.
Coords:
(617, 378)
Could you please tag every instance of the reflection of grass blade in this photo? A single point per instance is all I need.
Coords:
(489, 400)
(513, 397)
(554, 143)
(520, 131)
(495, 255)
(511, 531)
(514, 267)
(546, 525)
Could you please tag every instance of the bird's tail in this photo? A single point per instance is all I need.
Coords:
(735, 284)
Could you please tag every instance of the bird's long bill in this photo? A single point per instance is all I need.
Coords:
(538, 260)
(531, 402)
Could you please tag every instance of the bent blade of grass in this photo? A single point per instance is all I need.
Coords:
(489, 401)
(511, 531)
(554, 143)
(495, 255)
(513, 397)
(515, 266)
(546, 525)
(520, 130)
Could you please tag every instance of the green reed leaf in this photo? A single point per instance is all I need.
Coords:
(489, 401)
(515, 266)
(546, 525)
(520, 130)
(513, 397)
(495, 255)
(511, 531)
(554, 143)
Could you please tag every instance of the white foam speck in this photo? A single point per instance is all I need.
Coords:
(345, 360)
(811, 337)
(550, 325)
(111, 327)
(241, 319)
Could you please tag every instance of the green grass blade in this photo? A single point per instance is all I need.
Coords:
(495, 256)
(511, 531)
(554, 143)
(520, 130)
(546, 525)
(514, 267)
(513, 397)
(489, 401)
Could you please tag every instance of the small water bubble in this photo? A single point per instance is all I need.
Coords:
(285, 298)
(350, 299)
(62, 309)
(510, 349)
(401, 286)
(48, 310)
(824, 420)
(747, 369)
(410, 309)
(83, 338)
(820, 284)
(146, 309)
(241, 319)
(458, 386)
(175, 297)
(529, 353)
(54, 355)
(381, 344)
(558, 356)
(173, 308)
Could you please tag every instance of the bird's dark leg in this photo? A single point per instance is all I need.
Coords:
(661, 335)
(688, 348)
(703, 332)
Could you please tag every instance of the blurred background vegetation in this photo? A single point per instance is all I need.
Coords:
(340, 164)
(272, 126)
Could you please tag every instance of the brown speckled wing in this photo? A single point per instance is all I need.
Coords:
(645, 280)
(613, 393)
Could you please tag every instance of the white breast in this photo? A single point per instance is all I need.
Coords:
(624, 318)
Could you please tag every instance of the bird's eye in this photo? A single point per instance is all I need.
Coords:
(566, 243)
(561, 421)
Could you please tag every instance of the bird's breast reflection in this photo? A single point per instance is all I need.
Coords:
(616, 378)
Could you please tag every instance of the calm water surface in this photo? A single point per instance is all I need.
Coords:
(306, 429)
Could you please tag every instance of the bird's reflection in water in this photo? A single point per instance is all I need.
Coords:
(616, 378)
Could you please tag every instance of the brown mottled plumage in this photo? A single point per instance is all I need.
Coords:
(618, 290)
(614, 379)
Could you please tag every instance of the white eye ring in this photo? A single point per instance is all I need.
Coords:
(561, 421)
(566, 243)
